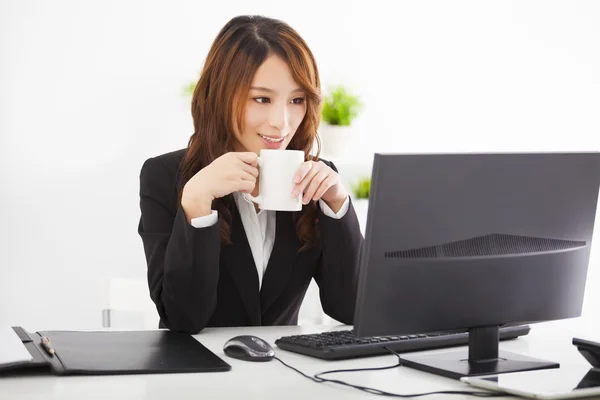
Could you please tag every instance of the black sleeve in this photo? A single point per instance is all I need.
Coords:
(183, 261)
(337, 272)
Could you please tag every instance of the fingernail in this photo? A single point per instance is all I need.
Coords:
(297, 179)
(295, 193)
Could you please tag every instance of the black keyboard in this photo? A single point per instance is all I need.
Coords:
(338, 345)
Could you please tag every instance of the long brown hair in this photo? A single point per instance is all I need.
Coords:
(219, 99)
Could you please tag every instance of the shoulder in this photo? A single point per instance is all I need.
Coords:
(167, 161)
(159, 174)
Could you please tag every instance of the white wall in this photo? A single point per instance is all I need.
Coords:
(89, 90)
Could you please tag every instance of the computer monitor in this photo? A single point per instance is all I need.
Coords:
(475, 241)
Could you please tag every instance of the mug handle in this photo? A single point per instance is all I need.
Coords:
(257, 199)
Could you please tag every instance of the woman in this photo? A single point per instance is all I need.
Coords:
(213, 259)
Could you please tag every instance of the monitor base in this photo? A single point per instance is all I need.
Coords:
(455, 364)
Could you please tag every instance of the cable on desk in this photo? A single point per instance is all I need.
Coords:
(318, 378)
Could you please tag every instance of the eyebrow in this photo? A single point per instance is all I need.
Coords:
(264, 89)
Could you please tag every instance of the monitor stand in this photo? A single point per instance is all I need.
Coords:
(482, 358)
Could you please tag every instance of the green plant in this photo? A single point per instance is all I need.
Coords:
(362, 188)
(340, 107)
(188, 90)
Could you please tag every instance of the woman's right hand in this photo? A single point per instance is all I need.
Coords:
(232, 172)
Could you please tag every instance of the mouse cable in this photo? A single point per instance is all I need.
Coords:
(319, 379)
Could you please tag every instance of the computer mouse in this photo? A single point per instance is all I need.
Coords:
(249, 348)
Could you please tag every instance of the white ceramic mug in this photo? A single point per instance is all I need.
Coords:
(277, 169)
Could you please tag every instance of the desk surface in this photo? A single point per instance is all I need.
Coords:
(272, 380)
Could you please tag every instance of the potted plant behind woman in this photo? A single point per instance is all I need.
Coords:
(336, 132)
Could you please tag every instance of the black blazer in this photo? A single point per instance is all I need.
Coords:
(196, 281)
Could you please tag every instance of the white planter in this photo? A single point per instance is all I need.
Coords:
(361, 207)
(336, 141)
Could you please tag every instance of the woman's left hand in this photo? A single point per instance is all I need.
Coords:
(318, 181)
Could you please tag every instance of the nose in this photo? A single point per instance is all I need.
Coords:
(279, 118)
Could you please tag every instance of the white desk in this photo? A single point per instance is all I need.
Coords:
(272, 380)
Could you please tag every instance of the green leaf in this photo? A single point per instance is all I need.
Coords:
(189, 89)
(362, 188)
(340, 107)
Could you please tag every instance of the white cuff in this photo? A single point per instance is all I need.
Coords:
(329, 212)
(206, 220)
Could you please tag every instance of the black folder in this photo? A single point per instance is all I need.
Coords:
(116, 352)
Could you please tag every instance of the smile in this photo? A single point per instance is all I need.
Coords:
(273, 140)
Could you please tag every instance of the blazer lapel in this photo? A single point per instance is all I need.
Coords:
(283, 260)
(239, 261)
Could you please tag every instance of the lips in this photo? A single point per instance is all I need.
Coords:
(272, 139)
(273, 142)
